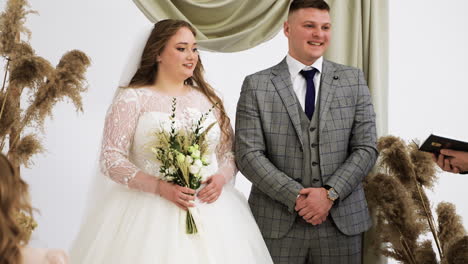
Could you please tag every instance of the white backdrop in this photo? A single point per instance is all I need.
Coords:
(427, 93)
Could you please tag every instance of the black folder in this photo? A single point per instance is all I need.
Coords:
(435, 143)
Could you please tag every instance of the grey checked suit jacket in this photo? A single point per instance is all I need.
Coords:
(269, 145)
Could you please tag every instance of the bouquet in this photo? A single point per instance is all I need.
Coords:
(183, 153)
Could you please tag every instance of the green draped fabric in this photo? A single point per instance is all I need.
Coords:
(360, 39)
(223, 25)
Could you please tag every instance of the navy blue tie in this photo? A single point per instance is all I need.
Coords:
(310, 93)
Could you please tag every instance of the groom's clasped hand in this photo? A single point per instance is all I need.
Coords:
(313, 205)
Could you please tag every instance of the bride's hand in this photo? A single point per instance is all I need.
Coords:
(213, 188)
(180, 196)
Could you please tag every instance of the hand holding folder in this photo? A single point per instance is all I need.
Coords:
(451, 155)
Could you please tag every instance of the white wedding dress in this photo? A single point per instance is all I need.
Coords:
(130, 226)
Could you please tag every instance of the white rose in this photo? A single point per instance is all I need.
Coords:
(198, 163)
(204, 173)
(194, 169)
(188, 159)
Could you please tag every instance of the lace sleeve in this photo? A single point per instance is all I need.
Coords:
(119, 128)
(225, 153)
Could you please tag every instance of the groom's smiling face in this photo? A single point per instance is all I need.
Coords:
(309, 32)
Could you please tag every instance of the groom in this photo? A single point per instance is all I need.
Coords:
(305, 138)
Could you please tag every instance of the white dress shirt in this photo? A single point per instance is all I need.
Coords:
(299, 82)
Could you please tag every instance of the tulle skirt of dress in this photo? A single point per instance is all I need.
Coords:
(140, 228)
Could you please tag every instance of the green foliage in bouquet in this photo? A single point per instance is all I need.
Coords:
(396, 195)
(183, 154)
(29, 75)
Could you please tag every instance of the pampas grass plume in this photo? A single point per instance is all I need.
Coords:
(386, 142)
(395, 158)
(67, 81)
(71, 76)
(12, 24)
(425, 254)
(395, 208)
(27, 147)
(458, 252)
(8, 114)
(29, 71)
(450, 225)
(21, 49)
(403, 211)
(424, 166)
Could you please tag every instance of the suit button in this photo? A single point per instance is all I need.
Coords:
(300, 149)
(315, 180)
(298, 180)
(314, 163)
(314, 145)
(312, 129)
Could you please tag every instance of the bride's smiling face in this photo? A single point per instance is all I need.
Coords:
(180, 55)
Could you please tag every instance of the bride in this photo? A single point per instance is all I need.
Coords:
(138, 217)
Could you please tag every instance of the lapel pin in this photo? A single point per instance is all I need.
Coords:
(335, 77)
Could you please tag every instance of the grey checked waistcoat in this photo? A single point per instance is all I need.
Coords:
(311, 174)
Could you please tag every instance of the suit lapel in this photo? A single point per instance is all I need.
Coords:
(327, 91)
(282, 81)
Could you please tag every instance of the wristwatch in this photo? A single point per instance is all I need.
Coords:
(332, 195)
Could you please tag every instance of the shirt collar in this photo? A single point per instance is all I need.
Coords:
(296, 66)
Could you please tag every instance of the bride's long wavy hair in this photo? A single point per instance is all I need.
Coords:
(147, 71)
(14, 198)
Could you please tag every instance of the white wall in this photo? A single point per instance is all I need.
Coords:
(426, 91)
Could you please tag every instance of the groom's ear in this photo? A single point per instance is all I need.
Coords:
(286, 28)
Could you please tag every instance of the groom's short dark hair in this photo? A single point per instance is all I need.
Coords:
(299, 4)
